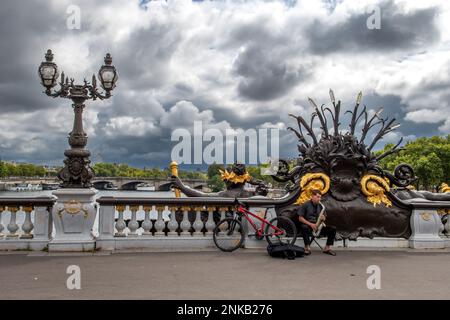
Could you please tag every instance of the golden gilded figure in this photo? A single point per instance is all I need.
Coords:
(310, 181)
(233, 177)
(375, 189)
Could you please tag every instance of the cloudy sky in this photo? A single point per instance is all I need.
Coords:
(230, 64)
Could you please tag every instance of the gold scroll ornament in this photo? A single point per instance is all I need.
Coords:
(445, 188)
(426, 216)
(233, 177)
(313, 181)
(375, 188)
(73, 207)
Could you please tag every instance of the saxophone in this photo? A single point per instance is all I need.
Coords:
(320, 221)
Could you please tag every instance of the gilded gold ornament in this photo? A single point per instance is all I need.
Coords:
(311, 181)
(374, 188)
(233, 177)
(445, 188)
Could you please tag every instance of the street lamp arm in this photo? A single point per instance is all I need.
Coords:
(62, 92)
(95, 93)
(77, 172)
(70, 91)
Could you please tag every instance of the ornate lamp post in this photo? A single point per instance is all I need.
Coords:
(77, 172)
(75, 210)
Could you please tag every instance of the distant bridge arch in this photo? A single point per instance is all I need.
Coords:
(132, 185)
(122, 183)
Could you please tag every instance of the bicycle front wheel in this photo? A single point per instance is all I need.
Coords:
(288, 228)
(228, 235)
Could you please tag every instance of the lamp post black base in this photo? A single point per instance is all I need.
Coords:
(77, 172)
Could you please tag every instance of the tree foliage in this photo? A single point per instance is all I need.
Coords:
(8, 169)
(213, 170)
(215, 183)
(429, 157)
(124, 170)
(101, 170)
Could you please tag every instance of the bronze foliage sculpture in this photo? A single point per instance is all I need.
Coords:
(235, 178)
(361, 198)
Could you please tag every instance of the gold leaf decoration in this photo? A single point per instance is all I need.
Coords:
(233, 177)
(375, 188)
(312, 181)
(445, 188)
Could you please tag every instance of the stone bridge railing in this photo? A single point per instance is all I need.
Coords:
(32, 230)
(165, 223)
(147, 224)
(168, 224)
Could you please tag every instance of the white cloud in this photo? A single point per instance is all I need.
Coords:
(183, 114)
(428, 116)
(129, 126)
(445, 128)
(177, 64)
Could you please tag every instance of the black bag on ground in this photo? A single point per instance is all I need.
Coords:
(289, 251)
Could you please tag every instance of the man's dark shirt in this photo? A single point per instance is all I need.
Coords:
(309, 211)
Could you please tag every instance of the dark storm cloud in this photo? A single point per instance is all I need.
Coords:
(231, 115)
(50, 150)
(144, 60)
(394, 108)
(264, 75)
(266, 59)
(138, 151)
(27, 30)
(399, 31)
(22, 30)
(257, 118)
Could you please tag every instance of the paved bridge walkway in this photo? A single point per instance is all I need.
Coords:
(244, 274)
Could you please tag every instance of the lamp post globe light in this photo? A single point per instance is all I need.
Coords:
(77, 172)
(75, 210)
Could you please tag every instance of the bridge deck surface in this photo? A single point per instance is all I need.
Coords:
(245, 274)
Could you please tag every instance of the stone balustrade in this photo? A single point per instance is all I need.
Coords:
(175, 224)
(25, 223)
(164, 224)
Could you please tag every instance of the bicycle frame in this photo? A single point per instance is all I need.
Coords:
(259, 232)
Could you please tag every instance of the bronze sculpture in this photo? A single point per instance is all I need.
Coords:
(361, 198)
(235, 178)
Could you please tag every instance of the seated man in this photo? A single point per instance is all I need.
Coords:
(308, 214)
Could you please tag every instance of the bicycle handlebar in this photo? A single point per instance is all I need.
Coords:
(237, 202)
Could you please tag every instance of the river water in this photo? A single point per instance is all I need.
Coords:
(101, 193)
(5, 217)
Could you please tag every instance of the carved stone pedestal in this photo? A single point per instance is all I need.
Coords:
(426, 226)
(74, 215)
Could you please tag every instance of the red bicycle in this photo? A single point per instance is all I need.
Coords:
(229, 235)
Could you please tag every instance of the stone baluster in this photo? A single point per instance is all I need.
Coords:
(27, 225)
(160, 224)
(120, 224)
(210, 225)
(13, 226)
(133, 225)
(147, 223)
(173, 223)
(185, 223)
(198, 223)
(441, 229)
(1, 225)
(222, 211)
